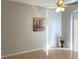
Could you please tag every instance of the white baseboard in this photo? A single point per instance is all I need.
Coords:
(58, 48)
(13, 54)
(75, 50)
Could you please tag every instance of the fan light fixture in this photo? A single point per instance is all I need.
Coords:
(60, 6)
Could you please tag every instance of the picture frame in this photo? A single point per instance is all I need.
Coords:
(38, 24)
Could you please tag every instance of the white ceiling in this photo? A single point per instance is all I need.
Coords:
(43, 3)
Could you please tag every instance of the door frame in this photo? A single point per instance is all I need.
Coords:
(72, 29)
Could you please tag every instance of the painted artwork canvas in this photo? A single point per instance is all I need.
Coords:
(38, 24)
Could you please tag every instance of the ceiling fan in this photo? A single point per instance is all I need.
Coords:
(61, 5)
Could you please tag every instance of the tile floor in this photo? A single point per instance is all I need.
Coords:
(52, 54)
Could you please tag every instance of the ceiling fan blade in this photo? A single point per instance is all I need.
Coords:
(73, 3)
(66, 5)
(51, 7)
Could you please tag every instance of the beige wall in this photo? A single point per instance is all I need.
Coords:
(17, 34)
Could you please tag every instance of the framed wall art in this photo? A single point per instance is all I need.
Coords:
(38, 24)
